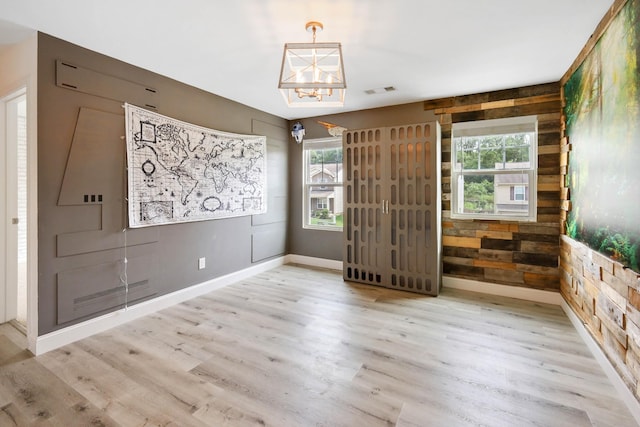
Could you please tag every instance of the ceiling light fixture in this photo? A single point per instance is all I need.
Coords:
(312, 74)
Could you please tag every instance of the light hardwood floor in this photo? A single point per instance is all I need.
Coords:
(299, 347)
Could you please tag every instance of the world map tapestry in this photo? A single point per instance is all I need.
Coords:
(180, 172)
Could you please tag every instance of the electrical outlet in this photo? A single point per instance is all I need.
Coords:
(202, 263)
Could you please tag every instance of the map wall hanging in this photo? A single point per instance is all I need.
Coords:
(180, 172)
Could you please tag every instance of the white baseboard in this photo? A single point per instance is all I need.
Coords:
(314, 262)
(535, 295)
(623, 391)
(76, 332)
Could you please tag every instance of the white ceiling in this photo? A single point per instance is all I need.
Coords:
(426, 49)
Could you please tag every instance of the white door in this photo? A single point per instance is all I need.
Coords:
(14, 207)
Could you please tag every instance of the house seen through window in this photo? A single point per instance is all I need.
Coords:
(493, 174)
(322, 203)
(323, 207)
(518, 192)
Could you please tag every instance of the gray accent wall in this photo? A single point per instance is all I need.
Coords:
(82, 239)
(328, 244)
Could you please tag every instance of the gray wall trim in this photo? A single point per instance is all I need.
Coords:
(76, 237)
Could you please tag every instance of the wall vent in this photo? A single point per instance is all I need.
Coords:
(380, 90)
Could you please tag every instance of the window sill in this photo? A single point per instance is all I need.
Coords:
(322, 227)
(462, 217)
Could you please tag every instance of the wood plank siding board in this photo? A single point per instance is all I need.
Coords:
(539, 259)
(548, 139)
(492, 251)
(451, 269)
(500, 244)
(499, 95)
(455, 251)
(498, 113)
(496, 105)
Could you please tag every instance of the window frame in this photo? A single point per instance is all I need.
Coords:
(517, 193)
(522, 124)
(307, 146)
(324, 204)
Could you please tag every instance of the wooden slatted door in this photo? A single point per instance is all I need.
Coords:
(392, 218)
(414, 207)
(364, 220)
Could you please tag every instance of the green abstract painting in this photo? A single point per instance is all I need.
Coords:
(603, 125)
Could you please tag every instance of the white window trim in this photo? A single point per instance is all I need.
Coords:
(487, 127)
(308, 144)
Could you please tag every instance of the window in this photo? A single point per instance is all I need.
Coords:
(518, 192)
(322, 203)
(322, 179)
(493, 169)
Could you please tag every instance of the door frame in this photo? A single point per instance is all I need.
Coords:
(10, 230)
(3, 209)
(32, 204)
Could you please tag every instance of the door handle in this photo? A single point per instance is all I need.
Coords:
(15, 221)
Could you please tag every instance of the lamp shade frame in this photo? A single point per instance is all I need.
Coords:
(308, 68)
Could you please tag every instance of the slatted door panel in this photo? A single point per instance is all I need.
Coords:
(392, 207)
(414, 208)
(365, 250)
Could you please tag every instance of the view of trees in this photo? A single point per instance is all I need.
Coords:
(324, 156)
(492, 152)
(478, 193)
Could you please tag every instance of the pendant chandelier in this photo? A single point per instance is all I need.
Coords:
(312, 74)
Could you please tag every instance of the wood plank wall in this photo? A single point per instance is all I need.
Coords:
(506, 252)
(603, 293)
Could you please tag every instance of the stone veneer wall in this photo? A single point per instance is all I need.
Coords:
(602, 292)
(606, 297)
(506, 252)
